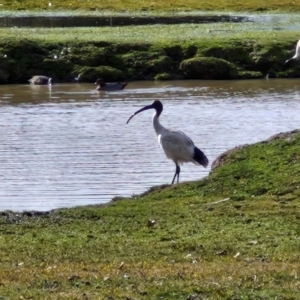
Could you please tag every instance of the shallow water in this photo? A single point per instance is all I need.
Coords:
(237, 21)
(67, 145)
(109, 20)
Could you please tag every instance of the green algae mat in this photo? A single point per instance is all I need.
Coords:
(233, 235)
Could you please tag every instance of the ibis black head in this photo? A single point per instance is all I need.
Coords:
(157, 105)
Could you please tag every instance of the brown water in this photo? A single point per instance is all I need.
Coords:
(67, 145)
(109, 20)
(237, 21)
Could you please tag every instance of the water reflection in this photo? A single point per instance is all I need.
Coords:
(68, 145)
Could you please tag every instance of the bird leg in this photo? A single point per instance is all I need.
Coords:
(177, 171)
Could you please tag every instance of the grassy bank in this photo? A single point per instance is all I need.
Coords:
(246, 247)
(149, 5)
(168, 52)
(220, 32)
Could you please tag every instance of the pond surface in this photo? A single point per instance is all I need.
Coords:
(68, 145)
(109, 20)
(237, 21)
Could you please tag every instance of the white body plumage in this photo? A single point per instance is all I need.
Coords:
(176, 145)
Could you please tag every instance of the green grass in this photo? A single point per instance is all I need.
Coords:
(150, 5)
(244, 248)
(151, 33)
(149, 52)
(169, 52)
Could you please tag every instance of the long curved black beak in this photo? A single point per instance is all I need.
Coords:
(137, 112)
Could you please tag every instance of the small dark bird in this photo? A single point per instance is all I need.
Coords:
(111, 86)
(176, 145)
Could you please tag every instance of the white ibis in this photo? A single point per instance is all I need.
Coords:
(112, 86)
(176, 145)
(297, 54)
(40, 80)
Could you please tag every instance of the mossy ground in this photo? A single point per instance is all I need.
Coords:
(121, 53)
(150, 5)
(244, 248)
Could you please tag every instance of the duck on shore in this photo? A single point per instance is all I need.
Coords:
(40, 80)
(111, 86)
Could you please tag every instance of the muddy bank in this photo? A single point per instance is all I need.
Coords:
(215, 59)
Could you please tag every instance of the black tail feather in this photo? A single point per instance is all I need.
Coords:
(200, 157)
(124, 84)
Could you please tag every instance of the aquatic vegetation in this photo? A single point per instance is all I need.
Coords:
(116, 56)
(208, 68)
(164, 76)
(90, 74)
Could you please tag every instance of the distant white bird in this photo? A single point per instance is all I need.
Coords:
(297, 54)
(176, 145)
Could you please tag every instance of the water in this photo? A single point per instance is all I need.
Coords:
(68, 145)
(237, 21)
(111, 20)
